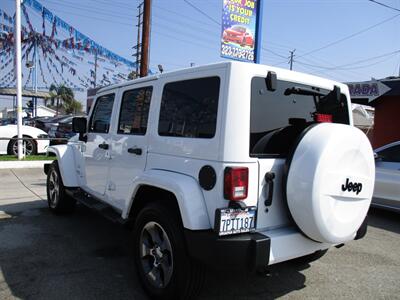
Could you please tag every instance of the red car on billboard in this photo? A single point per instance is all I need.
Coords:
(238, 34)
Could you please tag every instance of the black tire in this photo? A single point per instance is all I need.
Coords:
(176, 276)
(57, 199)
(30, 146)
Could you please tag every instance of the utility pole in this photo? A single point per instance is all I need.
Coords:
(144, 59)
(292, 58)
(138, 43)
(18, 74)
(35, 65)
(35, 81)
(95, 68)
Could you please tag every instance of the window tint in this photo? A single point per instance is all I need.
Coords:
(100, 120)
(278, 117)
(391, 154)
(189, 108)
(135, 111)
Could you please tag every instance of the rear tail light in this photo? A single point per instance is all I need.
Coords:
(236, 182)
(323, 118)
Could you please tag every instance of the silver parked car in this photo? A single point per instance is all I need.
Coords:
(387, 180)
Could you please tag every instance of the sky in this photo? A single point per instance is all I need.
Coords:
(344, 40)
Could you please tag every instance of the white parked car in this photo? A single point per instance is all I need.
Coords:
(387, 180)
(230, 165)
(9, 144)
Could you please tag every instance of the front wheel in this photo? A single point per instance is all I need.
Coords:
(57, 199)
(161, 258)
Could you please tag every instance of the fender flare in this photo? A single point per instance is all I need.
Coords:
(187, 191)
(66, 163)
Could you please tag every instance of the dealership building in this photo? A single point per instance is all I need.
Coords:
(384, 96)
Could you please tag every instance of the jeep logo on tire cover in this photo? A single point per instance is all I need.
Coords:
(352, 186)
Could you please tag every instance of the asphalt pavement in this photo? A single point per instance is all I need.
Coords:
(84, 256)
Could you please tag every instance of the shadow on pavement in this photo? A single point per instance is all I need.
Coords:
(280, 280)
(79, 256)
(384, 219)
(84, 256)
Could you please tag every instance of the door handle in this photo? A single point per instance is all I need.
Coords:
(137, 151)
(269, 179)
(103, 146)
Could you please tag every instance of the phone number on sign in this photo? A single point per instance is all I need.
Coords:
(237, 53)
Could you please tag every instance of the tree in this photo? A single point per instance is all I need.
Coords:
(62, 95)
(73, 107)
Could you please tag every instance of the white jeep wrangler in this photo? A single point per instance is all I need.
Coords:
(232, 165)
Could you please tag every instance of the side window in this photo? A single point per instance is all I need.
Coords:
(391, 154)
(189, 108)
(101, 117)
(135, 111)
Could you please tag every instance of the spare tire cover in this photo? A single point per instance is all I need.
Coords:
(330, 182)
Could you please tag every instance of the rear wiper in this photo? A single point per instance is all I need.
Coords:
(302, 91)
(311, 92)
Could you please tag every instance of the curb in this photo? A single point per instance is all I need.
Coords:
(23, 164)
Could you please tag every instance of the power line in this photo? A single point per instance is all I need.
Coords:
(194, 42)
(315, 60)
(91, 9)
(349, 36)
(113, 4)
(202, 12)
(345, 67)
(273, 52)
(184, 24)
(384, 5)
(181, 15)
(197, 41)
(310, 52)
(91, 17)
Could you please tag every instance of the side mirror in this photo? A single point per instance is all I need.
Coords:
(79, 125)
(271, 81)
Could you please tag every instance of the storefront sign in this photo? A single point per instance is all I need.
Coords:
(239, 29)
(367, 90)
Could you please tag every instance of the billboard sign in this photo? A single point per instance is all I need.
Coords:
(239, 29)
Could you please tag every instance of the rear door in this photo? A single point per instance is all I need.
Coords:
(277, 119)
(129, 142)
(97, 148)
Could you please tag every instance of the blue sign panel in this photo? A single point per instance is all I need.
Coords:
(239, 29)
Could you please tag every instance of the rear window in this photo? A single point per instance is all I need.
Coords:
(278, 117)
(189, 108)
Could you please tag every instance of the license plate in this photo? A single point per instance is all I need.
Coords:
(233, 221)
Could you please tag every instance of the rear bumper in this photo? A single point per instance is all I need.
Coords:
(249, 251)
(244, 251)
(288, 243)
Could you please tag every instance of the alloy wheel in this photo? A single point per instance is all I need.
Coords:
(54, 189)
(156, 255)
(27, 145)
